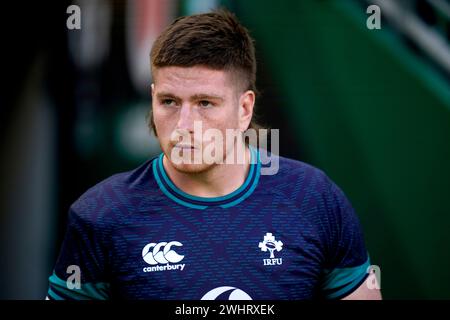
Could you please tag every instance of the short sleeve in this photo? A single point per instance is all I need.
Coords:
(348, 260)
(82, 257)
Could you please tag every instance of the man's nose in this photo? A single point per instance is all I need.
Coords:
(186, 118)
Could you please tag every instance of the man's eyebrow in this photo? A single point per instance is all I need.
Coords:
(198, 96)
(161, 95)
(202, 96)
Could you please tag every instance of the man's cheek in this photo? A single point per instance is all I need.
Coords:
(161, 126)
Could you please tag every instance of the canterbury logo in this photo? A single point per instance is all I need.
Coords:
(154, 253)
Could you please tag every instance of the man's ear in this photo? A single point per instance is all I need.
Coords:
(246, 104)
(152, 90)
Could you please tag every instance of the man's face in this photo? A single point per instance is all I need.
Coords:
(183, 96)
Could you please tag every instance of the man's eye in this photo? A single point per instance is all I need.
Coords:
(168, 102)
(205, 104)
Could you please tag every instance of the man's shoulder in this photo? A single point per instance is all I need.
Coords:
(120, 192)
(299, 180)
(294, 179)
(294, 169)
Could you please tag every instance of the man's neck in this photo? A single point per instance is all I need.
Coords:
(220, 180)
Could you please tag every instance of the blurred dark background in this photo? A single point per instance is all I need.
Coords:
(369, 107)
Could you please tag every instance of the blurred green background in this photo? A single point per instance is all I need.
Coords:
(369, 107)
(376, 118)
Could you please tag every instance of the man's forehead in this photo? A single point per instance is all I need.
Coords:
(197, 76)
(195, 73)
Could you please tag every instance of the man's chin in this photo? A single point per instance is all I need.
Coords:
(192, 161)
(191, 168)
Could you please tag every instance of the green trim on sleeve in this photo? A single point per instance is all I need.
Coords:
(340, 281)
(53, 295)
(88, 291)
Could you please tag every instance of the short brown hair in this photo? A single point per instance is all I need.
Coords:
(216, 40)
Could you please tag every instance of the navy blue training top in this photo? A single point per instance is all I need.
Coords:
(291, 235)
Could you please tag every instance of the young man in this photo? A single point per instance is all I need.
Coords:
(184, 227)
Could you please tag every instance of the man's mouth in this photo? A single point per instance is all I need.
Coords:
(185, 146)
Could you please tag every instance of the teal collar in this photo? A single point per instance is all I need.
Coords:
(195, 202)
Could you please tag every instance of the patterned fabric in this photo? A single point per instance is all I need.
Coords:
(135, 235)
